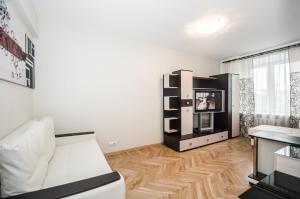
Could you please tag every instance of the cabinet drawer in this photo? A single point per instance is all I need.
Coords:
(206, 140)
(202, 141)
(189, 144)
(221, 136)
(213, 138)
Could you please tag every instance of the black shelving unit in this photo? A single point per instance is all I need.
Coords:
(178, 114)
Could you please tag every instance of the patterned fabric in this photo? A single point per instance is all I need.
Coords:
(294, 122)
(295, 152)
(247, 106)
(247, 96)
(246, 122)
(295, 99)
(273, 120)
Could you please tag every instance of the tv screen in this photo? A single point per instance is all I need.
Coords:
(206, 101)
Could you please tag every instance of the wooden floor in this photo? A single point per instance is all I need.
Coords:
(215, 171)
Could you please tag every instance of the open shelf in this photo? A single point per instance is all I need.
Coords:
(168, 127)
(171, 103)
(171, 81)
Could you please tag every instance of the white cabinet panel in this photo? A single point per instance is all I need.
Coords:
(235, 106)
(186, 85)
(266, 152)
(287, 165)
(186, 120)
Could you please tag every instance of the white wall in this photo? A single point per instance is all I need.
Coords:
(88, 81)
(16, 106)
(16, 102)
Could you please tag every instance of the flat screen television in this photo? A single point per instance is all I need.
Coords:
(208, 100)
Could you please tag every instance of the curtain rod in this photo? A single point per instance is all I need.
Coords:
(263, 53)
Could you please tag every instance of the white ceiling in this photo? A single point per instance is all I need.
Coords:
(253, 24)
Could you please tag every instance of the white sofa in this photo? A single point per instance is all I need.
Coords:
(36, 164)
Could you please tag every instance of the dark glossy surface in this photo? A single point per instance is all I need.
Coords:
(275, 185)
(70, 189)
(259, 176)
(259, 193)
(294, 140)
(283, 184)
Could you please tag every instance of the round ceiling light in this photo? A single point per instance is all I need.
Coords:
(207, 25)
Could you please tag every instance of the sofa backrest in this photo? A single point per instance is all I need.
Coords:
(24, 157)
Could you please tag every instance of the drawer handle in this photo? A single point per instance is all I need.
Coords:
(190, 144)
(207, 140)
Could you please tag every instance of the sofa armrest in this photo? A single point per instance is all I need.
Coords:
(70, 189)
(74, 134)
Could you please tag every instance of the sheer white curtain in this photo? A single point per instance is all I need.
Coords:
(294, 59)
(243, 67)
(265, 89)
(271, 73)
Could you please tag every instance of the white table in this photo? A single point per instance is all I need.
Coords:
(267, 140)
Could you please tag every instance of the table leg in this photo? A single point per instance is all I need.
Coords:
(255, 149)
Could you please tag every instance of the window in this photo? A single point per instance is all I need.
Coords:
(272, 84)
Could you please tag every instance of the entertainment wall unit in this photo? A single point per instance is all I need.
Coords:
(199, 110)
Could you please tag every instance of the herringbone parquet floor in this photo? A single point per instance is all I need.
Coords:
(157, 172)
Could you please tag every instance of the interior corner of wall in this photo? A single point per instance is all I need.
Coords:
(28, 15)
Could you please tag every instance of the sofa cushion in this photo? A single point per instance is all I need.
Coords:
(76, 161)
(23, 165)
(17, 132)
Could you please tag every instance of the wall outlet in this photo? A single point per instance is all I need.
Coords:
(112, 143)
